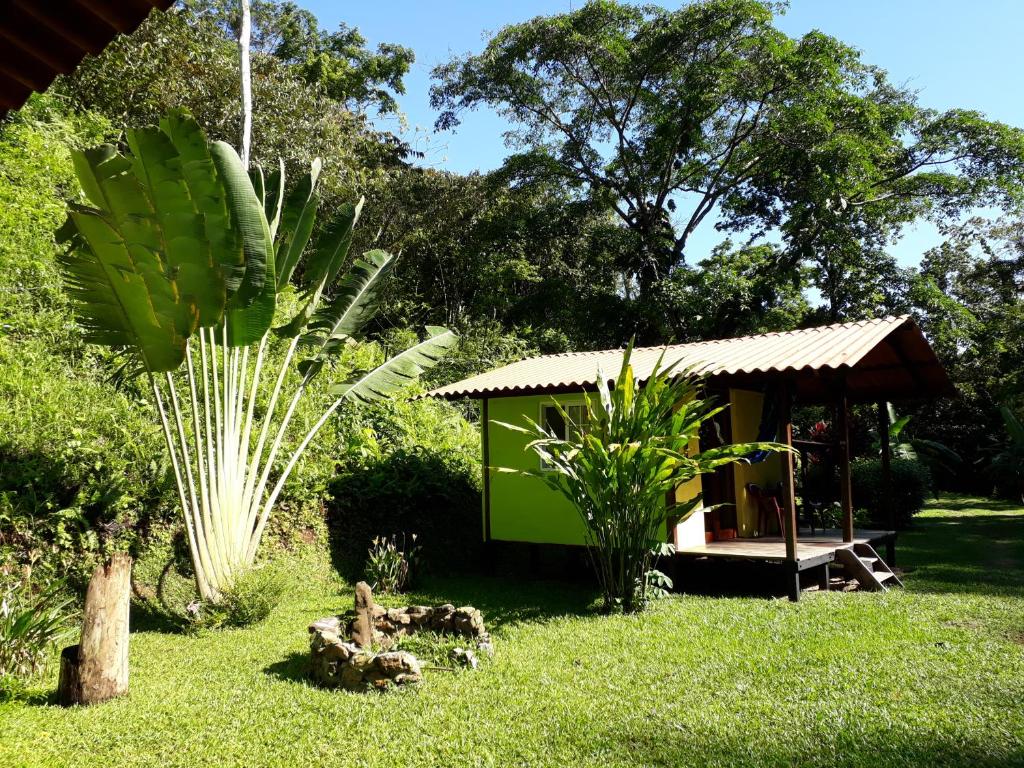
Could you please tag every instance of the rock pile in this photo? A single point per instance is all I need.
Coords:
(351, 665)
(338, 663)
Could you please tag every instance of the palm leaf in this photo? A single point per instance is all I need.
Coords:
(273, 198)
(123, 291)
(250, 311)
(349, 309)
(392, 376)
(1014, 426)
(208, 195)
(324, 265)
(180, 226)
(297, 218)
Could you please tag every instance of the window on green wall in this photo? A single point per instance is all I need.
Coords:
(553, 421)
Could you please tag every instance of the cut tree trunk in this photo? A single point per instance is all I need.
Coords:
(97, 668)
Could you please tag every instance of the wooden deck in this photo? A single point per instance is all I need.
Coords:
(811, 549)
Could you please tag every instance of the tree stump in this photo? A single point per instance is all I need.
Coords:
(97, 668)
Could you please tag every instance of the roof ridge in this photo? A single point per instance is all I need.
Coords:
(771, 334)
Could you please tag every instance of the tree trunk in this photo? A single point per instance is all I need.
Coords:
(97, 668)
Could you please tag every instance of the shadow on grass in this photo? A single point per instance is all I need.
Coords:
(146, 617)
(966, 545)
(507, 601)
(293, 668)
(853, 747)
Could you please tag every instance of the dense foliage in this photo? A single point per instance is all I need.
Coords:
(910, 488)
(432, 494)
(671, 118)
(31, 622)
(583, 237)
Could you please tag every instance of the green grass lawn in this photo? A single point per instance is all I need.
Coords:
(933, 675)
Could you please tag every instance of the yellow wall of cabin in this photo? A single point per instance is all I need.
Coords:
(745, 413)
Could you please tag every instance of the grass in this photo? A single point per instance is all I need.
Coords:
(933, 675)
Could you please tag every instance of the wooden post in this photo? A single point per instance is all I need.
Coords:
(485, 436)
(97, 668)
(886, 458)
(845, 486)
(788, 490)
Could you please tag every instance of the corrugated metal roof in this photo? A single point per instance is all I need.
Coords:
(40, 39)
(839, 347)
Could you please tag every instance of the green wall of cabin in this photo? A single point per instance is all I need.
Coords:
(524, 508)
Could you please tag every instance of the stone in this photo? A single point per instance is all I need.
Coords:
(485, 646)
(464, 657)
(362, 626)
(362, 661)
(418, 614)
(350, 664)
(338, 651)
(326, 624)
(398, 662)
(399, 617)
(351, 678)
(468, 621)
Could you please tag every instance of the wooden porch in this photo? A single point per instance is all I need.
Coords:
(815, 554)
(812, 549)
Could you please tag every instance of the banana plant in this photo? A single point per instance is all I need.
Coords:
(932, 452)
(176, 256)
(1006, 466)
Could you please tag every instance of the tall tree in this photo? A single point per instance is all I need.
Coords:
(969, 298)
(674, 118)
(340, 63)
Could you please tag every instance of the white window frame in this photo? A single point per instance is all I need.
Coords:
(551, 404)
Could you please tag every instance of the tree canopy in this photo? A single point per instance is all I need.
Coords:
(674, 118)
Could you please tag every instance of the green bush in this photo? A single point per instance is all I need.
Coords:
(31, 624)
(79, 459)
(435, 494)
(249, 601)
(910, 487)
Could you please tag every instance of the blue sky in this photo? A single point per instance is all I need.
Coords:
(955, 53)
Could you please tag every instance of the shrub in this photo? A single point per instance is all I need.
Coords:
(250, 600)
(911, 485)
(433, 493)
(31, 624)
(390, 568)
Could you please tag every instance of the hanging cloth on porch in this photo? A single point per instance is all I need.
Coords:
(768, 430)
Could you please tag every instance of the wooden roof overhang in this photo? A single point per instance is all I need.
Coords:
(885, 359)
(40, 39)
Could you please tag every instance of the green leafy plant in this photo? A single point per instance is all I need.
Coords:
(935, 454)
(31, 624)
(390, 566)
(637, 446)
(177, 257)
(1007, 464)
(249, 600)
(906, 494)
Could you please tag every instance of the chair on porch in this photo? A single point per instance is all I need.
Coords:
(768, 507)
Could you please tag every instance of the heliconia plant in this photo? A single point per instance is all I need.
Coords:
(177, 256)
(638, 441)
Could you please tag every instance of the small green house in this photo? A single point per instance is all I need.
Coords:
(761, 377)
